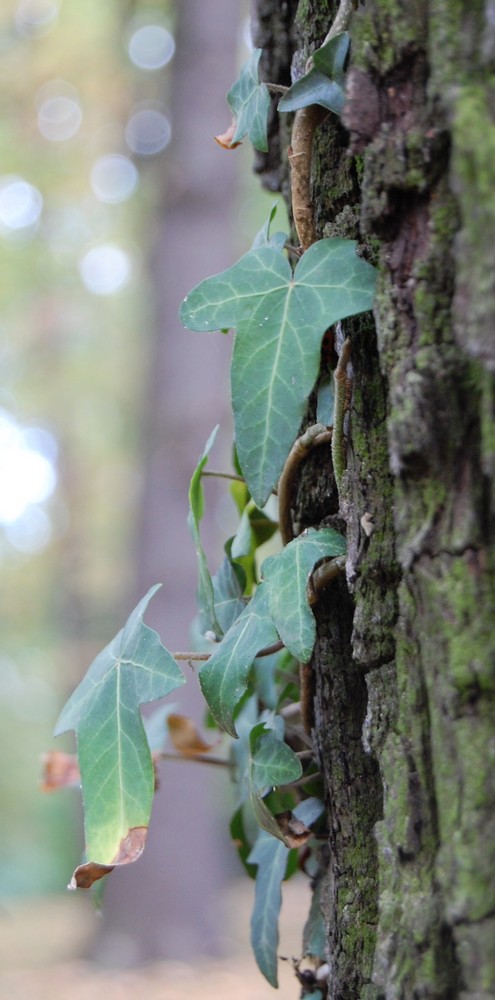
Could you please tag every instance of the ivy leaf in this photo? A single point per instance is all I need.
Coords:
(271, 856)
(265, 678)
(314, 934)
(330, 58)
(324, 83)
(114, 756)
(280, 319)
(273, 763)
(223, 678)
(228, 587)
(255, 528)
(286, 577)
(205, 593)
(249, 101)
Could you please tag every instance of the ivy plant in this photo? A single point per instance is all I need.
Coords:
(257, 620)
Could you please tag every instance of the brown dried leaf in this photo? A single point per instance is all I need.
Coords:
(225, 139)
(295, 832)
(185, 737)
(131, 848)
(60, 770)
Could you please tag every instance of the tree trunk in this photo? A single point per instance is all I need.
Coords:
(167, 905)
(404, 664)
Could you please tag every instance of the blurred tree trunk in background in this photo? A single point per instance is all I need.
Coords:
(405, 654)
(167, 904)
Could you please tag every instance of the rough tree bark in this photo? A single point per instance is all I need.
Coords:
(404, 665)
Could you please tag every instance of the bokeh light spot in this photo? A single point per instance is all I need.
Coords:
(21, 205)
(147, 132)
(27, 475)
(114, 178)
(151, 47)
(34, 18)
(59, 111)
(105, 269)
(31, 531)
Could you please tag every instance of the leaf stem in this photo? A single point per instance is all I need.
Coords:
(313, 436)
(268, 650)
(306, 778)
(195, 759)
(276, 88)
(300, 151)
(224, 475)
(339, 410)
(191, 656)
(342, 18)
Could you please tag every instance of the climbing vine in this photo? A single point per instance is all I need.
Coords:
(285, 305)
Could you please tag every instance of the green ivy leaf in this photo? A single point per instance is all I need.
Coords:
(228, 587)
(273, 763)
(265, 679)
(223, 678)
(114, 756)
(246, 717)
(250, 102)
(330, 58)
(324, 83)
(205, 593)
(272, 856)
(314, 934)
(255, 528)
(313, 88)
(280, 319)
(286, 577)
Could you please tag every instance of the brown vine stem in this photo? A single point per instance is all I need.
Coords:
(322, 576)
(300, 151)
(195, 759)
(276, 88)
(304, 780)
(313, 436)
(267, 651)
(191, 656)
(340, 405)
(342, 18)
(224, 475)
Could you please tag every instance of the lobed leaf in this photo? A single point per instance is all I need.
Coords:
(280, 320)
(273, 763)
(250, 102)
(286, 578)
(314, 88)
(271, 856)
(324, 83)
(224, 677)
(228, 589)
(114, 756)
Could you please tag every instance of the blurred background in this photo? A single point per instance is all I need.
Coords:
(114, 202)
